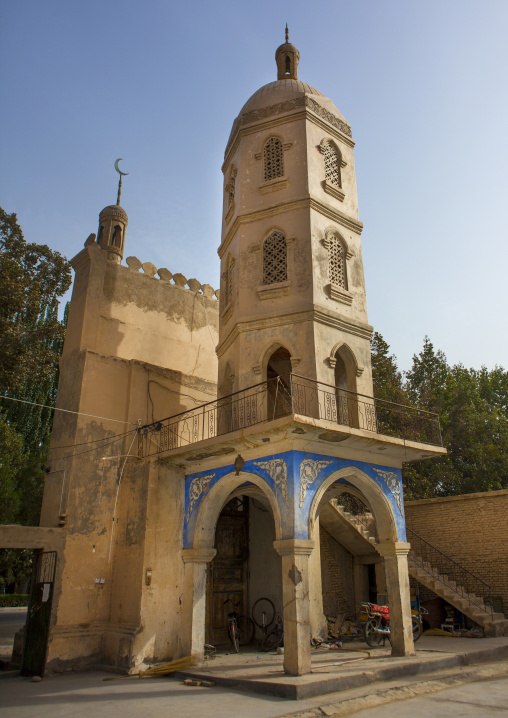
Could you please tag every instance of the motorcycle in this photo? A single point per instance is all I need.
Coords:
(377, 626)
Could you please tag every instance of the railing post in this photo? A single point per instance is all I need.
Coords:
(291, 392)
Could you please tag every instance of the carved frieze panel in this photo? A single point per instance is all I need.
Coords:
(198, 487)
(277, 469)
(309, 471)
(392, 483)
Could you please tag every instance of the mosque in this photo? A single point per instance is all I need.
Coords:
(221, 432)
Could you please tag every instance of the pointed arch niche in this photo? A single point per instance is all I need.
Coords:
(346, 370)
(278, 383)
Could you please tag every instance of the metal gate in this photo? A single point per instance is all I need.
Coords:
(39, 614)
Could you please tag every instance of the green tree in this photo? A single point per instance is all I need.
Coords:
(32, 278)
(386, 377)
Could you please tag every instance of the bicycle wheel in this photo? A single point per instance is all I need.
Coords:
(272, 640)
(417, 628)
(263, 608)
(372, 638)
(245, 630)
(233, 635)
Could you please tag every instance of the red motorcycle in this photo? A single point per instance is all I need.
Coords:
(377, 625)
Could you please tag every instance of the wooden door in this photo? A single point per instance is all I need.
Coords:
(228, 573)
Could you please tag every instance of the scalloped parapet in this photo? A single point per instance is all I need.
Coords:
(134, 264)
(164, 275)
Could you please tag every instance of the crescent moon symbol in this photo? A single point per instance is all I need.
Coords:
(118, 169)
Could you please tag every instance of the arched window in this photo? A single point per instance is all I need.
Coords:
(332, 163)
(275, 259)
(116, 239)
(336, 263)
(273, 159)
(278, 371)
(230, 189)
(229, 281)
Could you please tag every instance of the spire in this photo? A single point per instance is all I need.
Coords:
(122, 174)
(287, 57)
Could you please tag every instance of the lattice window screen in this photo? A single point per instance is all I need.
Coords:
(229, 282)
(332, 165)
(275, 259)
(231, 187)
(337, 268)
(273, 156)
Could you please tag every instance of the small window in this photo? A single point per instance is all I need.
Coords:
(332, 164)
(336, 263)
(273, 157)
(230, 188)
(116, 239)
(275, 259)
(229, 282)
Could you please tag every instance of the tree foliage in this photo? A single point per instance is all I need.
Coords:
(473, 409)
(32, 278)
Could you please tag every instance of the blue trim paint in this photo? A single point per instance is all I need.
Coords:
(281, 473)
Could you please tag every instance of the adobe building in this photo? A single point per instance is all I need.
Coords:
(219, 431)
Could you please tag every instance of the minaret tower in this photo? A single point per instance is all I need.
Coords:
(293, 291)
(113, 223)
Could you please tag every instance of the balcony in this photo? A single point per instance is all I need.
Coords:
(285, 396)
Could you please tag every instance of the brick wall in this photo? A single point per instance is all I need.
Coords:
(472, 529)
(336, 576)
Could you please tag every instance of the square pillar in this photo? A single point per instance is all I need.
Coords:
(397, 584)
(295, 555)
(194, 600)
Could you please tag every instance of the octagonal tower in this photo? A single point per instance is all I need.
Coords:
(292, 282)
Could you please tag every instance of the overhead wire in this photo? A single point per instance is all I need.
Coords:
(68, 411)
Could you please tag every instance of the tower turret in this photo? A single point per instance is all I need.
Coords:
(113, 223)
(287, 57)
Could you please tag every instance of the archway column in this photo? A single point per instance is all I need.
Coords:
(397, 583)
(295, 555)
(194, 599)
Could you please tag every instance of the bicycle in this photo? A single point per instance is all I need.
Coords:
(273, 638)
(263, 614)
(240, 628)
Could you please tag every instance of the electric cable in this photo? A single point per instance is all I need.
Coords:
(68, 411)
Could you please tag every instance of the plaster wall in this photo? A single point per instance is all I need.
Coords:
(138, 349)
(265, 569)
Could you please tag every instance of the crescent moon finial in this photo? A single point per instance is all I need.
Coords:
(124, 174)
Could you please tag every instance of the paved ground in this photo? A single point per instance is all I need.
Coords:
(11, 620)
(476, 693)
(455, 690)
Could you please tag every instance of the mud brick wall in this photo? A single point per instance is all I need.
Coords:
(472, 529)
(336, 577)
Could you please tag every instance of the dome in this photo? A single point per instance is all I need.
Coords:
(114, 210)
(284, 90)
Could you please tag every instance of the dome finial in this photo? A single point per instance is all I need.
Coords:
(286, 57)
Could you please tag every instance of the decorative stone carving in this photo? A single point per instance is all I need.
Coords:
(309, 471)
(194, 285)
(134, 264)
(149, 269)
(208, 290)
(90, 239)
(287, 106)
(277, 469)
(321, 112)
(392, 483)
(179, 280)
(164, 274)
(295, 576)
(198, 486)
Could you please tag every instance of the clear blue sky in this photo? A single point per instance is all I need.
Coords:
(159, 83)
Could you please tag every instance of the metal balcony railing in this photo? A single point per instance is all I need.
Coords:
(282, 396)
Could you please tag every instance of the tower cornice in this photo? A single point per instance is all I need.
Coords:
(305, 203)
(278, 114)
(318, 314)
